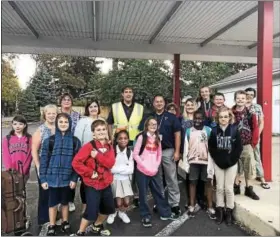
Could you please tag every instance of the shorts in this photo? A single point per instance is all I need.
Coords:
(122, 188)
(197, 171)
(246, 162)
(60, 195)
(98, 201)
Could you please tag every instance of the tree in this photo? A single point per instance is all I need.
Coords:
(72, 74)
(146, 77)
(196, 74)
(43, 87)
(28, 106)
(10, 86)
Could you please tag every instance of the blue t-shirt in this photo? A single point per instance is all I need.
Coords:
(168, 124)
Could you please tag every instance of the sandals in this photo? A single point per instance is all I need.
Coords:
(265, 186)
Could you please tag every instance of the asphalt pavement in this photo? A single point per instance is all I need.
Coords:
(198, 226)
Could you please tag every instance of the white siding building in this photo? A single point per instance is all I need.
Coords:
(248, 78)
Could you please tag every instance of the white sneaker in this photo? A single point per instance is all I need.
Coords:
(197, 208)
(123, 216)
(111, 218)
(71, 207)
(58, 222)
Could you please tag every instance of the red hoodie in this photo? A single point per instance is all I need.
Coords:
(85, 165)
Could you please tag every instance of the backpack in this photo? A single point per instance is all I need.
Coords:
(51, 144)
(144, 140)
(206, 128)
(27, 141)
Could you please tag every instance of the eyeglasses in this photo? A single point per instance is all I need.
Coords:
(221, 117)
(152, 124)
(248, 94)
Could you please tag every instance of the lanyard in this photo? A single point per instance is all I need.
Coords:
(159, 126)
(207, 110)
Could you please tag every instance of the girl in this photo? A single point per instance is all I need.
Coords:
(84, 134)
(122, 171)
(93, 163)
(43, 132)
(225, 147)
(197, 162)
(56, 173)
(204, 100)
(66, 103)
(147, 154)
(17, 147)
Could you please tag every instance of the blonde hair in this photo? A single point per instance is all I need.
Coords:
(50, 106)
(192, 100)
(225, 109)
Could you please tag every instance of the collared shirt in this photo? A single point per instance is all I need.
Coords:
(168, 125)
(127, 110)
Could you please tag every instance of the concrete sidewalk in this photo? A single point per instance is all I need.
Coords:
(263, 216)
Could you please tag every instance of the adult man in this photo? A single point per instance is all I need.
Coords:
(257, 109)
(126, 115)
(170, 134)
(248, 128)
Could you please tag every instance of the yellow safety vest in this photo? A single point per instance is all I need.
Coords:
(121, 122)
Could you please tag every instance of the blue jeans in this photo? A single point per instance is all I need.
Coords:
(153, 182)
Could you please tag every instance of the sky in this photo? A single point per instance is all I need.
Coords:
(25, 67)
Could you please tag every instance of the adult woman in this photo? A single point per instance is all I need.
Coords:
(66, 103)
(44, 131)
(84, 134)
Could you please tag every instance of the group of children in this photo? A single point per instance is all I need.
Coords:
(106, 169)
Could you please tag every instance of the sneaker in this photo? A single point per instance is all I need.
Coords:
(146, 222)
(172, 217)
(197, 208)
(71, 207)
(236, 189)
(191, 211)
(176, 211)
(51, 230)
(123, 216)
(111, 218)
(249, 192)
(99, 230)
(211, 213)
(79, 234)
(65, 228)
(58, 222)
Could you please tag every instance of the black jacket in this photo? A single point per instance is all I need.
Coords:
(225, 147)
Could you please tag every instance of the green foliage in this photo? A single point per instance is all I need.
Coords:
(28, 106)
(197, 74)
(43, 87)
(72, 74)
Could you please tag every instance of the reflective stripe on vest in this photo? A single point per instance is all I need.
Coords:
(121, 122)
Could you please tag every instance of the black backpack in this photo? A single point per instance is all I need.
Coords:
(128, 152)
(144, 141)
(27, 141)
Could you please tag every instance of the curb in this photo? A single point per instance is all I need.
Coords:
(253, 222)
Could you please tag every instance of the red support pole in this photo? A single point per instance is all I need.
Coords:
(176, 80)
(264, 80)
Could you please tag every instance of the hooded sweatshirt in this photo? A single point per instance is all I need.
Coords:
(19, 150)
(224, 147)
(149, 161)
(56, 165)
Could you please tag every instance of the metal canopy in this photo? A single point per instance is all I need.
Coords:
(198, 30)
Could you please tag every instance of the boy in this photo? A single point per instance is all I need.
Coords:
(197, 161)
(93, 163)
(56, 173)
(249, 132)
